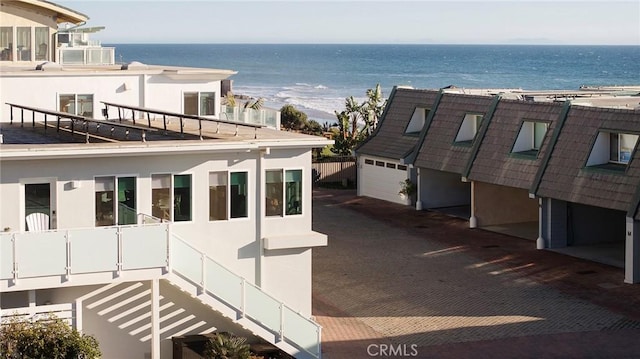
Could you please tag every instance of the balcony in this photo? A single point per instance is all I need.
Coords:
(107, 255)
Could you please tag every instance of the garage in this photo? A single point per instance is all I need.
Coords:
(381, 178)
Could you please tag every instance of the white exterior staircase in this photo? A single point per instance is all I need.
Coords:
(135, 253)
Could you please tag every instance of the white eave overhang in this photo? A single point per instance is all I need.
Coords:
(198, 74)
(289, 241)
(63, 14)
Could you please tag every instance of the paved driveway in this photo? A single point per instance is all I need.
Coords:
(400, 283)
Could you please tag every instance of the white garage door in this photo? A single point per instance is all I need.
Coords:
(380, 178)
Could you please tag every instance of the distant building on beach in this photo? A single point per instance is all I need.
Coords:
(139, 208)
(557, 167)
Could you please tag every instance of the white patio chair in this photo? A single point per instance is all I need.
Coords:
(37, 222)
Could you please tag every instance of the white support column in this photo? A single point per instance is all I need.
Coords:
(418, 198)
(155, 319)
(632, 252)
(540, 242)
(32, 298)
(473, 221)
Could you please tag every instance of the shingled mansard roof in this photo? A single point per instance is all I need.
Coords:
(390, 140)
(566, 176)
(495, 163)
(438, 149)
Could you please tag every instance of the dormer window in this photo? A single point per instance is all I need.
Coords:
(612, 150)
(468, 129)
(417, 122)
(530, 138)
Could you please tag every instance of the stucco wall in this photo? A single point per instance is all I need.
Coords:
(235, 243)
(502, 205)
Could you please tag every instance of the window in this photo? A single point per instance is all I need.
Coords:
(81, 105)
(612, 150)
(200, 103)
(391, 165)
(368, 162)
(379, 163)
(283, 193)
(468, 129)
(402, 167)
(293, 191)
(6, 43)
(417, 121)
(219, 192)
(181, 198)
(23, 40)
(530, 138)
(107, 210)
(167, 189)
(42, 43)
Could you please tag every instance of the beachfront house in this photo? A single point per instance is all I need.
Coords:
(131, 206)
(556, 168)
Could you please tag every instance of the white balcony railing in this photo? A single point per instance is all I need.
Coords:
(86, 55)
(266, 117)
(73, 253)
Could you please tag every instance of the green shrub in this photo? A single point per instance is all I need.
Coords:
(49, 338)
(227, 346)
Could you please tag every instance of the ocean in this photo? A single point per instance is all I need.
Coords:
(316, 79)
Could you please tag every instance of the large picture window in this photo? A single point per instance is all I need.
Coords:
(161, 196)
(181, 198)
(42, 43)
(105, 208)
(284, 193)
(222, 197)
(6, 43)
(200, 103)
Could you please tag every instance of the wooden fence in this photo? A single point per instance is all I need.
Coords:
(335, 170)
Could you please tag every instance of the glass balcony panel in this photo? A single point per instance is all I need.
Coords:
(186, 260)
(223, 284)
(6, 256)
(301, 331)
(72, 56)
(41, 254)
(262, 307)
(144, 247)
(85, 243)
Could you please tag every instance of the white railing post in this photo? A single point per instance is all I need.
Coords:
(203, 258)
(15, 259)
(67, 238)
(168, 267)
(319, 341)
(243, 300)
(77, 314)
(281, 332)
(119, 264)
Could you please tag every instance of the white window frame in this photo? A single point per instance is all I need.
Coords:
(228, 196)
(172, 194)
(284, 192)
(115, 195)
(75, 102)
(199, 98)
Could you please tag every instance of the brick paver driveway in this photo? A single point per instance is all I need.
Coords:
(399, 283)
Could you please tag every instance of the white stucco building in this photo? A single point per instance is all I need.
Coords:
(158, 217)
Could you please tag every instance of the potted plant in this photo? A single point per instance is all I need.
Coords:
(408, 189)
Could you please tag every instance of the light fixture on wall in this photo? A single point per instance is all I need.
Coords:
(126, 86)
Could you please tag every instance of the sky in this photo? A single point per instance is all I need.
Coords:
(563, 22)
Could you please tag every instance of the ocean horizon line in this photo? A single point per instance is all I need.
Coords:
(369, 44)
